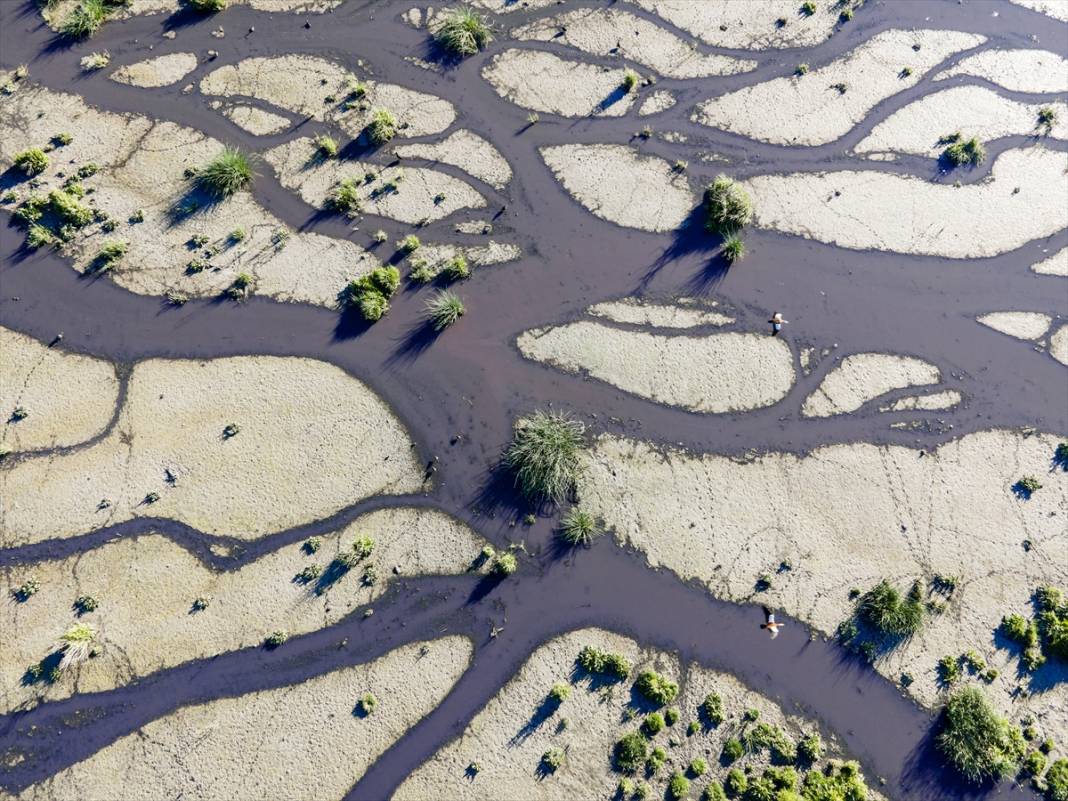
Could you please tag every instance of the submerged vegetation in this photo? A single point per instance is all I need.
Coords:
(544, 455)
(462, 32)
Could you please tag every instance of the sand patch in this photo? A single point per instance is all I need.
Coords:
(1052, 8)
(326, 91)
(145, 588)
(932, 402)
(658, 315)
(748, 24)
(847, 516)
(544, 82)
(1020, 201)
(1058, 345)
(311, 440)
(417, 194)
(55, 15)
(67, 398)
(1022, 325)
(714, 373)
(435, 257)
(272, 743)
(1016, 70)
(508, 6)
(156, 72)
(1057, 264)
(810, 110)
(971, 110)
(655, 103)
(619, 184)
(255, 120)
(863, 377)
(507, 738)
(468, 151)
(141, 173)
(615, 33)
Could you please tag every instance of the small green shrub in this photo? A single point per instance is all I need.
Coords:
(544, 455)
(239, 288)
(560, 692)
(1034, 763)
(371, 293)
(443, 309)
(678, 787)
(671, 716)
(201, 602)
(84, 604)
(751, 715)
(733, 248)
(630, 80)
(629, 752)
(345, 197)
(367, 705)
(656, 761)
(698, 767)
(810, 749)
(948, 669)
(653, 724)
(230, 171)
(1057, 781)
(326, 146)
(801, 69)
(733, 750)
(95, 61)
(457, 268)
(380, 236)
(657, 688)
(727, 206)
(504, 564)
(553, 759)
(76, 643)
(1047, 118)
(206, 6)
(774, 740)
(27, 589)
(736, 783)
(965, 151)
(594, 660)
(62, 139)
(463, 32)
(382, 127)
(110, 255)
(308, 574)
(975, 740)
(714, 792)
(578, 527)
(37, 236)
(712, 709)
(409, 244)
(276, 638)
(883, 608)
(33, 161)
(1027, 486)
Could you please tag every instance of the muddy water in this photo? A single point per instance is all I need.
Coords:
(472, 381)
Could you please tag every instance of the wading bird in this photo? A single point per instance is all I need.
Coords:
(770, 624)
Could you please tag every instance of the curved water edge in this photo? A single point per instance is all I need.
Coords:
(473, 382)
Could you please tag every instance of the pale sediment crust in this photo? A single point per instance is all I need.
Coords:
(1022, 325)
(614, 33)
(932, 402)
(716, 373)
(299, 455)
(748, 24)
(968, 110)
(1016, 70)
(434, 258)
(810, 110)
(619, 184)
(658, 315)
(906, 214)
(145, 588)
(508, 6)
(847, 516)
(156, 72)
(544, 82)
(508, 737)
(142, 172)
(1058, 345)
(67, 398)
(468, 151)
(420, 194)
(54, 16)
(296, 83)
(255, 120)
(1057, 264)
(655, 103)
(272, 743)
(1052, 8)
(863, 377)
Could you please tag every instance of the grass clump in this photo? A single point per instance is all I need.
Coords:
(594, 660)
(33, 161)
(382, 127)
(110, 255)
(630, 80)
(808, 8)
(409, 244)
(733, 248)
(678, 787)
(544, 455)
(657, 688)
(76, 644)
(345, 197)
(86, 18)
(457, 269)
(711, 709)
(326, 146)
(367, 705)
(883, 608)
(810, 749)
(1047, 118)
(227, 173)
(653, 725)
(727, 206)
(714, 792)
(370, 293)
(1027, 486)
(276, 638)
(553, 759)
(1057, 781)
(801, 69)
(26, 590)
(504, 564)
(698, 767)
(463, 32)
(95, 61)
(766, 737)
(559, 692)
(736, 783)
(630, 752)
(733, 750)
(206, 6)
(578, 527)
(964, 151)
(977, 742)
(444, 309)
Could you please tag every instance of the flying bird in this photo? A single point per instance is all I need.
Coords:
(770, 625)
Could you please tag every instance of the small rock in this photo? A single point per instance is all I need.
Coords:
(219, 33)
(367, 613)
(213, 54)
(170, 35)
(251, 28)
(187, 89)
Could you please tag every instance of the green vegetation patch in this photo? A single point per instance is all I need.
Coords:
(975, 740)
(370, 294)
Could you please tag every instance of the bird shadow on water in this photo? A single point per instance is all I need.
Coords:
(691, 238)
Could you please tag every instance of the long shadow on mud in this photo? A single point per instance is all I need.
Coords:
(420, 336)
(691, 238)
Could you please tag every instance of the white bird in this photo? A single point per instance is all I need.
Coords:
(770, 624)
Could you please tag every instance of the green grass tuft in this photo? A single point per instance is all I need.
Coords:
(975, 740)
(883, 608)
(444, 309)
(224, 175)
(544, 455)
(578, 527)
(727, 205)
(463, 32)
(382, 127)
